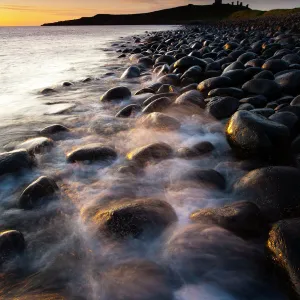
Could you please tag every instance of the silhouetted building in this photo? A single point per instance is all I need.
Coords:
(218, 2)
(238, 3)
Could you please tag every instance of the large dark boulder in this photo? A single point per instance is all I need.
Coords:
(250, 134)
(275, 190)
(222, 107)
(242, 218)
(136, 280)
(14, 161)
(117, 93)
(92, 152)
(289, 82)
(36, 191)
(283, 248)
(12, 243)
(130, 218)
(268, 88)
(150, 153)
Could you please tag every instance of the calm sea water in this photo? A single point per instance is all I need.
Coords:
(34, 58)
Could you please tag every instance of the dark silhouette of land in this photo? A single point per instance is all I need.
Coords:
(177, 15)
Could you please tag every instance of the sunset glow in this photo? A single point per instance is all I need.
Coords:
(34, 12)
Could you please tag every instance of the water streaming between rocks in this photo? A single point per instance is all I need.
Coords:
(120, 227)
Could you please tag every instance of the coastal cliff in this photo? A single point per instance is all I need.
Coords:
(177, 15)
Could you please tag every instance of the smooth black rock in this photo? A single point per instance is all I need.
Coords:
(92, 152)
(266, 74)
(291, 59)
(257, 101)
(231, 92)
(157, 96)
(48, 91)
(67, 83)
(283, 247)
(222, 107)
(275, 65)
(12, 243)
(213, 83)
(257, 62)
(191, 97)
(146, 62)
(168, 59)
(244, 58)
(157, 105)
(250, 134)
(130, 218)
(275, 190)
(268, 88)
(189, 61)
(296, 101)
(131, 72)
(127, 111)
(173, 79)
(195, 250)
(285, 118)
(234, 66)
(246, 106)
(289, 82)
(266, 112)
(150, 153)
(166, 88)
(237, 76)
(36, 191)
(117, 93)
(159, 121)
(208, 178)
(14, 161)
(242, 218)
(53, 129)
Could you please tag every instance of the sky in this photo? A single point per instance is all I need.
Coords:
(37, 12)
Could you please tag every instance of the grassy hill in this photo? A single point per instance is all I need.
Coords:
(177, 15)
(250, 14)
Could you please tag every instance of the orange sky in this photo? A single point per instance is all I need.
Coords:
(37, 12)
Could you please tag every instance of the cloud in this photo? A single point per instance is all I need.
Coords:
(45, 9)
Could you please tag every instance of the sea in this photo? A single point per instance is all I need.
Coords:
(63, 258)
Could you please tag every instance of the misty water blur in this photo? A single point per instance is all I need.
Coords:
(64, 259)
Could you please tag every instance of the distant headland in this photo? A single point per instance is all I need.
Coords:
(177, 15)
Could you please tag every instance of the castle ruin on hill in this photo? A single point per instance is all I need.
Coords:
(238, 3)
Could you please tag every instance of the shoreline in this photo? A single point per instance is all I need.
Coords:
(173, 184)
